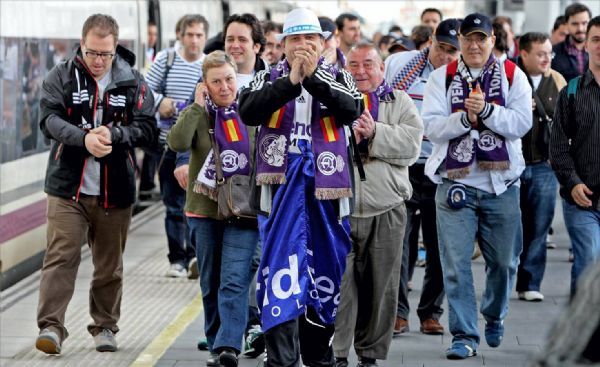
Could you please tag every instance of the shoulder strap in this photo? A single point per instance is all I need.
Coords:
(571, 93)
(509, 69)
(450, 72)
(572, 87)
(168, 66)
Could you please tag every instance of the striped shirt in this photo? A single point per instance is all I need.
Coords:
(181, 80)
(575, 138)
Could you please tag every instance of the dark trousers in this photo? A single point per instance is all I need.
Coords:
(432, 295)
(181, 248)
(288, 341)
(148, 171)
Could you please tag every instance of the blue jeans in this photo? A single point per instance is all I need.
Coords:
(181, 248)
(538, 198)
(497, 219)
(224, 251)
(584, 230)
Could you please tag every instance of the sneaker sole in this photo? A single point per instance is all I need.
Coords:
(47, 345)
(106, 348)
(456, 356)
(432, 332)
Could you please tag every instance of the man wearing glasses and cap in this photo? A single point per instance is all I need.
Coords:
(475, 111)
(409, 71)
(303, 170)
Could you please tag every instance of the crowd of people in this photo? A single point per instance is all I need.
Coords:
(461, 131)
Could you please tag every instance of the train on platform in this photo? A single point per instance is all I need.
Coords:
(35, 36)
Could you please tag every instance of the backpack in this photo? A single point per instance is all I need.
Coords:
(509, 69)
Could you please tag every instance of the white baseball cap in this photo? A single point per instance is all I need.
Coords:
(301, 21)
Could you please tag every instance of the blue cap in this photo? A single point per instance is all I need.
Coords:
(447, 32)
(476, 22)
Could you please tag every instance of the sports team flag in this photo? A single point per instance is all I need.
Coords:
(276, 118)
(329, 129)
(232, 130)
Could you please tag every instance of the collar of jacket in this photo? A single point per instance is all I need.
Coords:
(260, 64)
(122, 74)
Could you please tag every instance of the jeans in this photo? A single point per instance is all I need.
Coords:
(583, 226)
(538, 198)
(181, 248)
(224, 251)
(497, 219)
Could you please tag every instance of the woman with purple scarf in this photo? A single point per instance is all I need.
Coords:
(303, 106)
(224, 247)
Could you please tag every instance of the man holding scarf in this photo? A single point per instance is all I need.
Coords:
(303, 173)
(409, 71)
(389, 131)
(475, 111)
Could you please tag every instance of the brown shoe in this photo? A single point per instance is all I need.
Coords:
(401, 326)
(432, 327)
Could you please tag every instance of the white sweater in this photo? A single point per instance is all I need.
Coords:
(511, 121)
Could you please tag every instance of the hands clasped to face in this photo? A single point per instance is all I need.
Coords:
(305, 57)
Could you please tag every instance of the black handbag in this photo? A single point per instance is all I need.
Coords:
(233, 198)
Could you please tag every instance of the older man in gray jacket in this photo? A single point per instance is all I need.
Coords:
(389, 133)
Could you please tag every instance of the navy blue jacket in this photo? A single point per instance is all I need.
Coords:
(565, 63)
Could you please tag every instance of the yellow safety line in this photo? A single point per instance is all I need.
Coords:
(149, 356)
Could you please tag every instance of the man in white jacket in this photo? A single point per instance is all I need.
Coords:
(475, 111)
(389, 134)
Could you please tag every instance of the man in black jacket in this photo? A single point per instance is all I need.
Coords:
(570, 57)
(96, 109)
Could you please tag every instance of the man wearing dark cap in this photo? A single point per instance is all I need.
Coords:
(331, 51)
(475, 111)
(409, 72)
(401, 44)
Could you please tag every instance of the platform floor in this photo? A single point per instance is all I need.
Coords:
(162, 317)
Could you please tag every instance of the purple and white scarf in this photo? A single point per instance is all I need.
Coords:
(332, 177)
(481, 143)
(411, 71)
(231, 136)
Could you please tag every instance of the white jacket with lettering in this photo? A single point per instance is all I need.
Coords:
(512, 121)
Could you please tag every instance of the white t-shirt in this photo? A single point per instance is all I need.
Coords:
(302, 117)
(536, 79)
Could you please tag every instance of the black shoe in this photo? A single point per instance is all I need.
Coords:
(341, 362)
(228, 358)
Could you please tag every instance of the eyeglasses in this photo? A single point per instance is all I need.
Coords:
(103, 55)
(367, 65)
(479, 41)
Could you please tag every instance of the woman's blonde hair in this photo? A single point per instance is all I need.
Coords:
(216, 59)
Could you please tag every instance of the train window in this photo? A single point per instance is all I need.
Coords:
(24, 63)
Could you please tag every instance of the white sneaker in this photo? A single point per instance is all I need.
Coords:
(177, 271)
(531, 296)
(105, 341)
